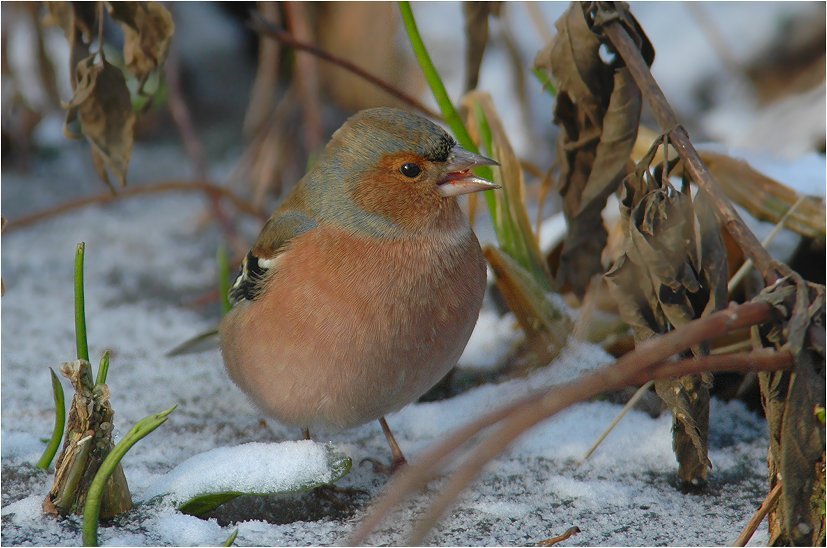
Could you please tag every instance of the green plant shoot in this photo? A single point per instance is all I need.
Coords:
(60, 424)
(91, 510)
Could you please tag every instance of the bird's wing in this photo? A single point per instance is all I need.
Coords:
(262, 260)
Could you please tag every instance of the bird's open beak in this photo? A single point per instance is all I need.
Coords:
(459, 179)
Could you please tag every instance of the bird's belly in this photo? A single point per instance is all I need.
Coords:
(345, 347)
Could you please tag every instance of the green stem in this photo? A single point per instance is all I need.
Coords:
(91, 510)
(80, 313)
(231, 539)
(103, 369)
(223, 280)
(60, 424)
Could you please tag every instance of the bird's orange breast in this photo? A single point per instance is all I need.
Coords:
(353, 327)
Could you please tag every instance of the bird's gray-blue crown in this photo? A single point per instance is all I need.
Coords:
(385, 130)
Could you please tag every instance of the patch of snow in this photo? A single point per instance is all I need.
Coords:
(492, 339)
(248, 468)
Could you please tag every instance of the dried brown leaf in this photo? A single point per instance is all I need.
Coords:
(598, 107)
(148, 30)
(476, 37)
(672, 271)
(790, 398)
(103, 107)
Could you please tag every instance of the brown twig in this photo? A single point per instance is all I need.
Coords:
(623, 412)
(759, 516)
(668, 122)
(261, 25)
(181, 116)
(306, 74)
(570, 532)
(516, 418)
(262, 95)
(108, 197)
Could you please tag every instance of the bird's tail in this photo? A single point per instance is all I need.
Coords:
(199, 343)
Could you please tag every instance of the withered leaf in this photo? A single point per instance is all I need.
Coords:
(104, 109)
(572, 57)
(797, 437)
(671, 272)
(476, 37)
(76, 22)
(148, 30)
(598, 107)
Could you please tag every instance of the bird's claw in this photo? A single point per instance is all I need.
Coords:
(380, 467)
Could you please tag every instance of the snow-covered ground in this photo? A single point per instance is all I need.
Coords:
(149, 260)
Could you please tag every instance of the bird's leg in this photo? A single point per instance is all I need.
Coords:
(306, 433)
(396, 453)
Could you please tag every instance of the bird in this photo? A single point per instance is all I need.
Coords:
(362, 289)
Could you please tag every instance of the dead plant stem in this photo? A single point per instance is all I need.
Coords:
(623, 412)
(261, 25)
(570, 532)
(108, 197)
(181, 116)
(306, 76)
(759, 515)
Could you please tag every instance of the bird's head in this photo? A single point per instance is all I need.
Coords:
(388, 167)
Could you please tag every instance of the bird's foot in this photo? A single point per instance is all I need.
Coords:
(380, 467)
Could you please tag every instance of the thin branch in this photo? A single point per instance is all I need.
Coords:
(262, 26)
(668, 122)
(764, 359)
(570, 532)
(759, 516)
(262, 95)
(108, 197)
(181, 116)
(623, 412)
(742, 272)
(518, 416)
(306, 74)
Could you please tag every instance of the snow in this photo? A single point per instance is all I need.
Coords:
(492, 340)
(149, 261)
(249, 468)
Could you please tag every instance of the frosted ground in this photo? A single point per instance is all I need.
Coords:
(149, 259)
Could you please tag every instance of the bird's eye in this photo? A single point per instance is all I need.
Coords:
(410, 170)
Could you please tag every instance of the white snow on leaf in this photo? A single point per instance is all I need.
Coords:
(252, 468)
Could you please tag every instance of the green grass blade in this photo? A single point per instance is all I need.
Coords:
(231, 539)
(91, 510)
(103, 369)
(80, 311)
(60, 424)
(223, 279)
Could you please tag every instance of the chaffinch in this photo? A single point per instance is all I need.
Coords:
(363, 288)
